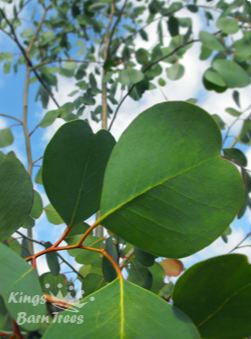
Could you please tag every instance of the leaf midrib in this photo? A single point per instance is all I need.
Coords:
(220, 307)
(130, 199)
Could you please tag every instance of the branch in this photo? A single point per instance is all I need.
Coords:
(241, 242)
(11, 117)
(59, 255)
(27, 58)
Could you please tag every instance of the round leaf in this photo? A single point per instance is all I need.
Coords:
(228, 25)
(116, 309)
(232, 73)
(6, 137)
(73, 170)
(216, 294)
(166, 188)
(16, 195)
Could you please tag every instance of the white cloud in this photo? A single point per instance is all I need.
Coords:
(219, 247)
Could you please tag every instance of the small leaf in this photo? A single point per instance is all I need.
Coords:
(233, 111)
(130, 76)
(108, 270)
(236, 98)
(52, 215)
(245, 134)
(227, 25)
(173, 26)
(236, 155)
(37, 207)
(145, 258)
(175, 72)
(52, 260)
(232, 73)
(6, 137)
(210, 41)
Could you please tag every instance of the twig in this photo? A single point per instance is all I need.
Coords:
(10, 117)
(241, 242)
(58, 254)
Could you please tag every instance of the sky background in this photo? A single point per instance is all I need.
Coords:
(190, 86)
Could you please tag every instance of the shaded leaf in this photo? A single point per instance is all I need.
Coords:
(16, 195)
(73, 170)
(219, 298)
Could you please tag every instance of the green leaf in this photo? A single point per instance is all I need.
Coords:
(19, 279)
(116, 309)
(236, 155)
(210, 41)
(232, 73)
(92, 282)
(236, 98)
(173, 26)
(139, 274)
(175, 72)
(227, 25)
(145, 258)
(52, 215)
(233, 111)
(159, 190)
(37, 207)
(108, 270)
(142, 56)
(130, 76)
(49, 118)
(6, 137)
(52, 260)
(53, 284)
(245, 134)
(219, 298)
(220, 123)
(243, 47)
(16, 195)
(73, 170)
(214, 78)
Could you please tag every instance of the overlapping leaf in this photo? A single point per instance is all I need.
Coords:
(73, 170)
(16, 195)
(123, 310)
(166, 188)
(216, 294)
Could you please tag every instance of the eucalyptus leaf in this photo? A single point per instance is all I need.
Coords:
(116, 309)
(73, 170)
(16, 195)
(219, 298)
(159, 191)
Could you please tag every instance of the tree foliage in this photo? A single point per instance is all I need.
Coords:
(171, 185)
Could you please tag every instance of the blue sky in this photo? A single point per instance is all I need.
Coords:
(11, 87)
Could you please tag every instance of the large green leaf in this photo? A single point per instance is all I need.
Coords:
(216, 294)
(166, 188)
(124, 310)
(16, 195)
(232, 73)
(73, 170)
(18, 283)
